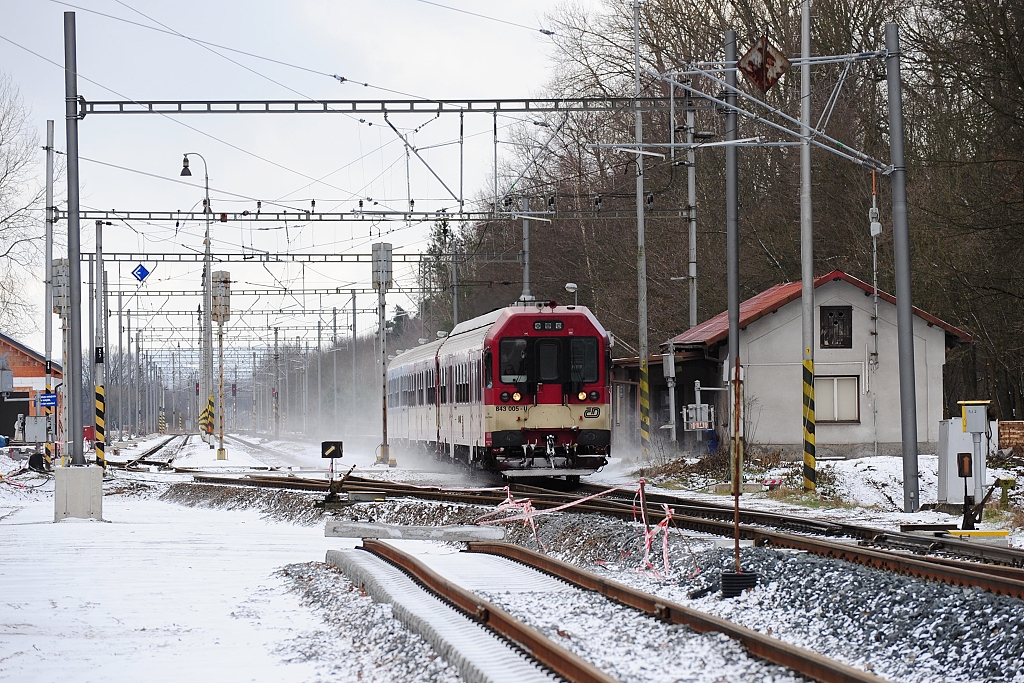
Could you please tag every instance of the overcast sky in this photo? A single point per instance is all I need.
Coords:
(409, 46)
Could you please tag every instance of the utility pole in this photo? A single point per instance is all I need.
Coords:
(354, 337)
(48, 301)
(73, 370)
(120, 370)
(128, 377)
(319, 376)
(455, 288)
(641, 254)
(92, 327)
(691, 205)
(525, 207)
(732, 228)
(277, 382)
(99, 358)
(807, 249)
(334, 361)
(255, 404)
(901, 249)
(140, 423)
(381, 281)
(221, 313)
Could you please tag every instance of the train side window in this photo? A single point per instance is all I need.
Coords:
(513, 361)
(479, 381)
(489, 370)
(442, 387)
(431, 388)
(548, 352)
(585, 365)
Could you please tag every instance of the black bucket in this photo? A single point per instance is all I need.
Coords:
(734, 583)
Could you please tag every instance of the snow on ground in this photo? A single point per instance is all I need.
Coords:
(163, 592)
(197, 454)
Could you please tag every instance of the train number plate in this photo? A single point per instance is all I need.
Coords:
(510, 409)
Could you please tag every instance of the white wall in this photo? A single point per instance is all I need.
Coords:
(770, 351)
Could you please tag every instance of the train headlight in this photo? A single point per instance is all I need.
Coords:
(517, 396)
(505, 396)
(582, 396)
(594, 395)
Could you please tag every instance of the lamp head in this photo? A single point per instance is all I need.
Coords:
(571, 287)
(184, 167)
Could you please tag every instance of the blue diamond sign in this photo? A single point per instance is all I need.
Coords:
(140, 272)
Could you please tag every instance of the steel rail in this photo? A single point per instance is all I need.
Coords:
(999, 580)
(556, 658)
(145, 455)
(798, 659)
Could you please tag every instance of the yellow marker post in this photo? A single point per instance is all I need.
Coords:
(810, 463)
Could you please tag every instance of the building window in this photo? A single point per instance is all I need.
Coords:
(836, 327)
(836, 399)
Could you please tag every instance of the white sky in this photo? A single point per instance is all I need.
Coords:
(406, 45)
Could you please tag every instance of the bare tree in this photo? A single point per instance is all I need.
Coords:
(21, 199)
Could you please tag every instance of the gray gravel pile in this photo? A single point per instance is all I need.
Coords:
(295, 507)
(633, 647)
(900, 628)
(361, 641)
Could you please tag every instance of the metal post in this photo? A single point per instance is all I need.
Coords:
(334, 361)
(641, 254)
(305, 389)
(91, 287)
(526, 295)
(669, 365)
(104, 313)
(140, 417)
(354, 338)
(277, 382)
(462, 128)
(496, 209)
(287, 388)
(255, 395)
(207, 295)
(691, 205)
(901, 249)
(73, 374)
(807, 251)
(128, 376)
(385, 451)
(455, 287)
(221, 453)
(319, 377)
(120, 371)
(99, 356)
(48, 301)
(732, 228)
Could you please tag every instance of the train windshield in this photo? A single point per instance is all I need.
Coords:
(584, 359)
(548, 352)
(513, 361)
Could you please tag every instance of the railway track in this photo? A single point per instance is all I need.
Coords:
(146, 457)
(910, 559)
(571, 666)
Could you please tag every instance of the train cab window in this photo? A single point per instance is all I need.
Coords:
(513, 361)
(488, 370)
(584, 353)
(548, 352)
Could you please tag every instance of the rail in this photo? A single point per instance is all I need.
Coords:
(563, 662)
(808, 663)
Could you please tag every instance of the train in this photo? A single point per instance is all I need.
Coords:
(523, 391)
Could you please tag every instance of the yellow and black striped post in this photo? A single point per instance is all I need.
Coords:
(810, 465)
(645, 412)
(161, 425)
(206, 417)
(48, 412)
(101, 428)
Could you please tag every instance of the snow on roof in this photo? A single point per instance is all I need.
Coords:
(716, 329)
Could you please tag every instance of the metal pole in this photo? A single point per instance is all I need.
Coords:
(901, 249)
(120, 371)
(496, 209)
(385, 453)
(319, 377)
(641, 254)
(691, 206)
(48, 301)
(92, 328)
(527, 295)
(305, 389)
(207, 293)
(462, 127)
(104, 313)
(455, 288)
(73, 375)
(221, 453)
(255, 404)
(99, 356)
(732, 228)
(139, 418)
(277, 382)
(354, 338)
(807, 251)
(128, 376)
(334, 361)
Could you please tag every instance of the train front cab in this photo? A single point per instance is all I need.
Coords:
(547, 393)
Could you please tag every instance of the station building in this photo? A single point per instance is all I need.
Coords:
(29, 368)
(856, 362)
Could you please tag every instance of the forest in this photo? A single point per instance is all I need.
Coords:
(963, 85)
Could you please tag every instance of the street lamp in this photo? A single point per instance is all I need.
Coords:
(571, 288)
(207, 378)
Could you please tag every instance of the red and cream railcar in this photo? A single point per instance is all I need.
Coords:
(522, 390)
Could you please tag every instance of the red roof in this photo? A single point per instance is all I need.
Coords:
(716, 329)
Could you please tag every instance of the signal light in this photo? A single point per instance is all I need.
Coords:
(234, 389)
(594, 395)
(517, 397)
(505, 396)
(197, 388)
